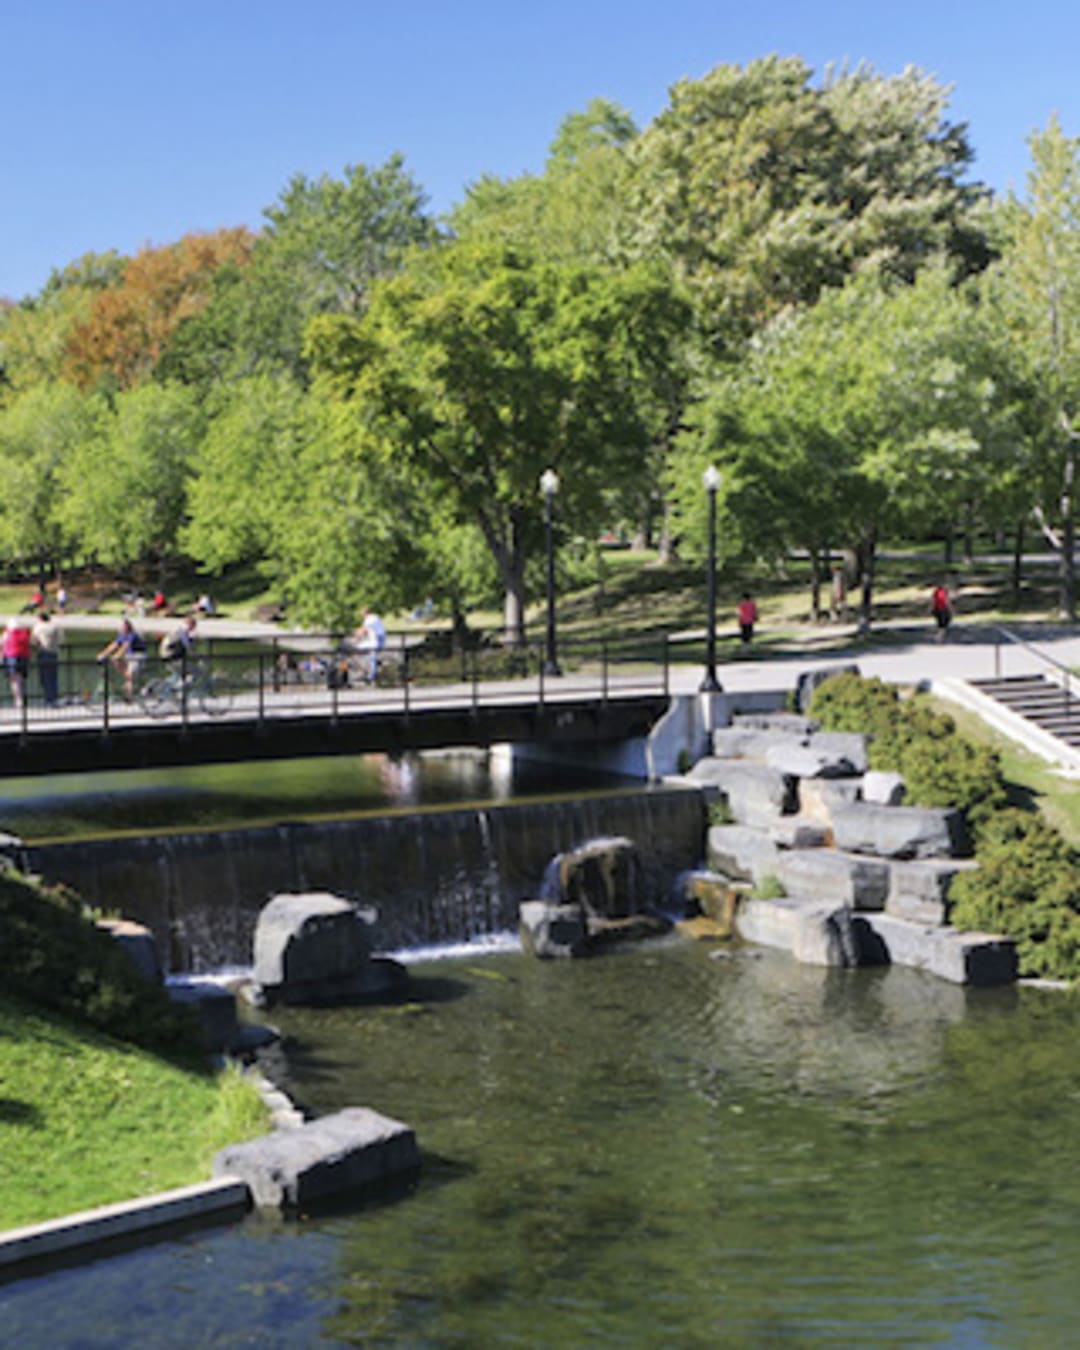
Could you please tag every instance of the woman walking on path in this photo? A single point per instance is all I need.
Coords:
(941, 609)
(747, 614)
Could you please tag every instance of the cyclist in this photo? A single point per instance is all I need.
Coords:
(177, 646)
(127, 652)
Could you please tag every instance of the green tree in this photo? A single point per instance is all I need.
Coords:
(762, 188)
(1036, 290)
(124, 488)
(42, 430)
(481, 367)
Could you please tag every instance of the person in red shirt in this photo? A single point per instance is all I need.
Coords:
(941, 609)
(747, 614)
(17, 660)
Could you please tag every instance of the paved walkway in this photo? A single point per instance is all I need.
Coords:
(905, 654)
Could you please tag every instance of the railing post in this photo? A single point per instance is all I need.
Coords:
(184, 688)
(405, 673)
(261, 688)
(604, 671)
(106, 667)
(476, 680)
(540, 672)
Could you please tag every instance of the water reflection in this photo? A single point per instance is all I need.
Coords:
(223, 795)
(653, 1149)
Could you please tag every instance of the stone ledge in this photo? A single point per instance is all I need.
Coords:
(352, 1150)
(963, 958)
(224, 1195)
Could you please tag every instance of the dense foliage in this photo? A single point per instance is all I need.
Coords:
(940, 766)
(1027, 884)
(57, 958)
(787, 275)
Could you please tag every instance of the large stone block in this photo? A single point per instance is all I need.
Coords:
(136, 941)
(776, 723)
(818, 798)
(799, 832)
(756, 794)
(550, 930)
(823, 755)
(603, 877)
(883, 789)
(962, 958)
(352, 1150)
(828, 874)
(712, 895)
(315, 948)
(741, 853)
(753, 743)
(899, 831)
(919, 891)
(815, 932)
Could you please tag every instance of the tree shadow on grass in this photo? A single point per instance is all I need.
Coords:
(15, 1112)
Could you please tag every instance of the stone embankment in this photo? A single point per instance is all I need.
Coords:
(860, 878)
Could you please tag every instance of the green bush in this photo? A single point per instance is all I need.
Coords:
(940, 766)
(55, 956)
(1028, 886)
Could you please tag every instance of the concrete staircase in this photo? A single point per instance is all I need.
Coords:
(1045, 703)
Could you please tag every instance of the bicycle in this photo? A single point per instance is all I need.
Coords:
(170, 693)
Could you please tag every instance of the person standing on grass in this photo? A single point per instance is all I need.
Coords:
(941, 609)
(747, 614)
(45, 637)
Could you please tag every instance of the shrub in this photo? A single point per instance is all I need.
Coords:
(770, 887)
(940, 766)
(1028, 886)
(720, 812)
(57, 957)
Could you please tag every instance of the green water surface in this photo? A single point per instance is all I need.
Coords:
(659, 1148)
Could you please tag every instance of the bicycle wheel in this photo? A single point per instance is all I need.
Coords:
(214, 697)
(158, 697)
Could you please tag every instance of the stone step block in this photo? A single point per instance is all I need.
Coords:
(818, 798)
(752, 743)
(551, 930)
(815, 932)
(711, 895)
(756, 794)
(883, 789)
(741, 853)
(919, 891)
(799, 832)
(776, 723)
(962, 958)
(899, 831)
(825, 754)
(352, 1150)
(828, 874)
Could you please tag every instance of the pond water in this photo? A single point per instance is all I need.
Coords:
(217, 796)
(665, 1147)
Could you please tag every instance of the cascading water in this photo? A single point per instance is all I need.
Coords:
(434, 876)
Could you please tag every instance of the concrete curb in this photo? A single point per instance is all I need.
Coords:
(223, 1196)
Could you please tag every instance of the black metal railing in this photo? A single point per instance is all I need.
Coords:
(324, 674)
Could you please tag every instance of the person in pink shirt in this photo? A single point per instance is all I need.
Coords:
(746, 612)
(17, 660)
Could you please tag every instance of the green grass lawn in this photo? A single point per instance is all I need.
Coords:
(86, 1120)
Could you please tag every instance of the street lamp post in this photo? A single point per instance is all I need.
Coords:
(710, 684)
(549, 485)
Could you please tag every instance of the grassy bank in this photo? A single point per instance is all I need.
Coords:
(86, 1120)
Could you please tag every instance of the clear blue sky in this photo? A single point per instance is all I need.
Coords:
(128, 122)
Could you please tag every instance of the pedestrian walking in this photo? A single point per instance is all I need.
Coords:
(747, 613)
(941, 609)
(45, 638)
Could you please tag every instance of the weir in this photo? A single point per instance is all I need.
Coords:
(434, 875)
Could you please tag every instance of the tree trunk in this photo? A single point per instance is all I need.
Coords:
(668, 551)
(1018, 562)
(969, 535)
(1068, 538)
(815, 583)
(948, 545)
(867, 555)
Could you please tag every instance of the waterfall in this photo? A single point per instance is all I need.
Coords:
(433, 875)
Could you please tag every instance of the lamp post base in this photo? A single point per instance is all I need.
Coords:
(552, 668)
(710, 684)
